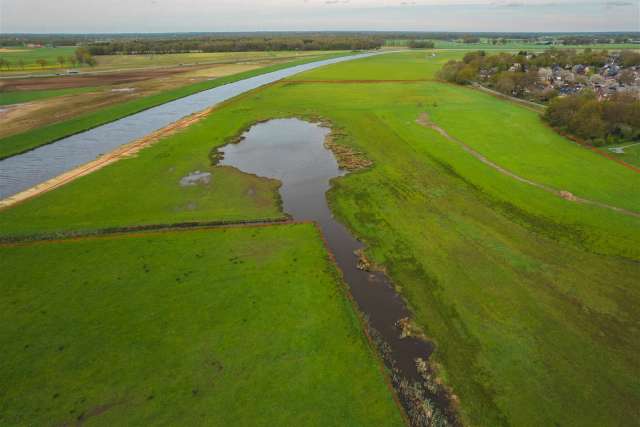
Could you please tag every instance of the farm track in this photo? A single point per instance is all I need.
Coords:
(357, 81)
(423, 120)
(122, 152)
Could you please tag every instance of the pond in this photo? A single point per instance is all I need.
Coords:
(293, 151)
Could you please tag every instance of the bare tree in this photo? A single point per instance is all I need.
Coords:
(61, 61)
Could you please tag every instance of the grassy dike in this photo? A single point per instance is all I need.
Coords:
(238, 326)
(530, 299)
(19, 143)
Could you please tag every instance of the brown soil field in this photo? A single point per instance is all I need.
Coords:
(23, 117)
(73, 81)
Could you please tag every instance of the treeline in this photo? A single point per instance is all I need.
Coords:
(420, 44)
(613, 120)
(584, 40)
(150, 46)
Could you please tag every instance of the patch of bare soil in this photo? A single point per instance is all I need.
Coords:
(73, 81)
(423, 120)
(127, 150)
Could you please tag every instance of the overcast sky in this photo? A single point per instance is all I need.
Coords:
(266, 15)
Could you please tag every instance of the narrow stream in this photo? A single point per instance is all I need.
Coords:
(293, 152)
(23, 171)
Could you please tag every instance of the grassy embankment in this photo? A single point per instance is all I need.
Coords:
(245, 326)
(529, 298)
(22, 142)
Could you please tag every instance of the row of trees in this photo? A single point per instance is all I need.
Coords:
(163, 46)
(420, 44)
(613, 120)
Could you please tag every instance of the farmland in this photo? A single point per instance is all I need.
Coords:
(34, 124)
(147, 343)
(529, 297)
(29, 56)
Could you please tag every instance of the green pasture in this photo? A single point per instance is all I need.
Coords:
(245, 326)
(17, 97)
(30, 55)
(25, 141)
(530, 299)
(123, 62)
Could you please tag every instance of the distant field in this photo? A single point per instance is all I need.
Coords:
(242, 326)
(116, 62)
(30, 56)
(32, 138)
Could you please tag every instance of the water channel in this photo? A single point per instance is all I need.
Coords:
(293, 152)
(23, 171)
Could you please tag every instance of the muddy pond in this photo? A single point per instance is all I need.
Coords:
(293, 151)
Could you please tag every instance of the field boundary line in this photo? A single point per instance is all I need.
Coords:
(423, 120)
(143, 230)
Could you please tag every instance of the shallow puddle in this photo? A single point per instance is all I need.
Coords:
(293, 152)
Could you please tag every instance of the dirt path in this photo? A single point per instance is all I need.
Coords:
(424, 120)
(122, 152)
(357, 81)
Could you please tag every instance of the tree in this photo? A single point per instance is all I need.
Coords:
(42, 63)
(72, 60)
(61, 61)
(21, 63)
(505, 83)
(2, 62)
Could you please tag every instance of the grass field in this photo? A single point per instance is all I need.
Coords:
(31, 55)
(21, 142)
(123, 62)
(531, 299)
(8, 98)
(246, 326)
